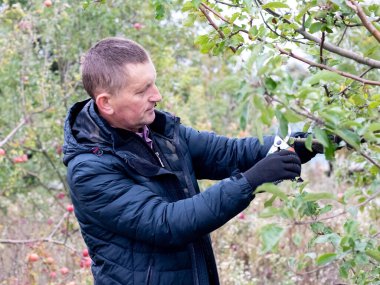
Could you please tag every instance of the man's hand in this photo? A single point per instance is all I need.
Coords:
(275, 167)
(304, 154)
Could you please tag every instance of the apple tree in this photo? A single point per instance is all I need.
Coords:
(314, 63)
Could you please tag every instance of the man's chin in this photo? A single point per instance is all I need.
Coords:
(150, 118)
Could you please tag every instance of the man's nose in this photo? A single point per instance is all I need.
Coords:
(156, 95)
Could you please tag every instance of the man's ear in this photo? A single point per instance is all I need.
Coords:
(103, 103)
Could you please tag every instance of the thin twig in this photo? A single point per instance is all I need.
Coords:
(215, 13)
(31, 241)
(58, 225)
(322, 66)
(361, 75)
(322, 61)
(22, 122)
(343, 34)
(48, 239)
(13, 132)
(229, 4)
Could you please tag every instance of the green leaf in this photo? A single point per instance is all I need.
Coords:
(274, 5)
(283, 123)
(309, 197)
(309, 142)
(196, 3)
(351, 227)
(315, 27)
(325, 209)
(321, 136)
(292, 117)
(375, 254)
(319, 228)
(269, 202)
(234, 17)
(270, 235)
(269, 212)
(273, 189)
(324, 76)
(349, 137)
(332, 237)
(326, 258)
(270, 83)
(160, 11)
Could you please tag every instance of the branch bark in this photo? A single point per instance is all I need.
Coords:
(322, 66)
(363, 17)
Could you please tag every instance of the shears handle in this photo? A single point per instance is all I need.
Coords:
(279, 144)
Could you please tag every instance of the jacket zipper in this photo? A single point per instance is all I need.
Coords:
(159, 159)
(147, 281)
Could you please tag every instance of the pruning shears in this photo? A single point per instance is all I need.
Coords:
(281, 143)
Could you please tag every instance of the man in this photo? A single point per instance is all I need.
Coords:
(133, 175)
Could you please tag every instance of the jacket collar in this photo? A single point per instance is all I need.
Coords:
(85, 129)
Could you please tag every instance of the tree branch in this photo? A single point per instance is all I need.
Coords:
(22, 122)
(13, 132)
(340, 51)
(363, 17)
(320, 122)
(203, 8)
(330, 47)
(48, 239)
(322, 66)
(212, 23)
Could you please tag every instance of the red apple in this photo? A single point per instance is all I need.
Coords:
(50, 221)
(87, 262)
(48, 3)
(58, 149)
(2, 152)
(49, 260)
(53, 275)
(20, 159)
(70, 208)
(241, 216)
(64, 271)
(33, 257)
(61, 195)
(85, 252)
(138, 26)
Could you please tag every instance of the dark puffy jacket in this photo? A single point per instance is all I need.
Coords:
(148, 224)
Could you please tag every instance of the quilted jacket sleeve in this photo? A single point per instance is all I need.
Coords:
(103, 195)
(217, 157)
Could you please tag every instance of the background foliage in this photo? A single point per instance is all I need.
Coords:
(234, 67)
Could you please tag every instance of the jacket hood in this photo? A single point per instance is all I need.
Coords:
(85, 131)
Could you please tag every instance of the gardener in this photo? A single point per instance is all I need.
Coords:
(133, 173)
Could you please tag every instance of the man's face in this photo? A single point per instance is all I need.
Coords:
(134, 105)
